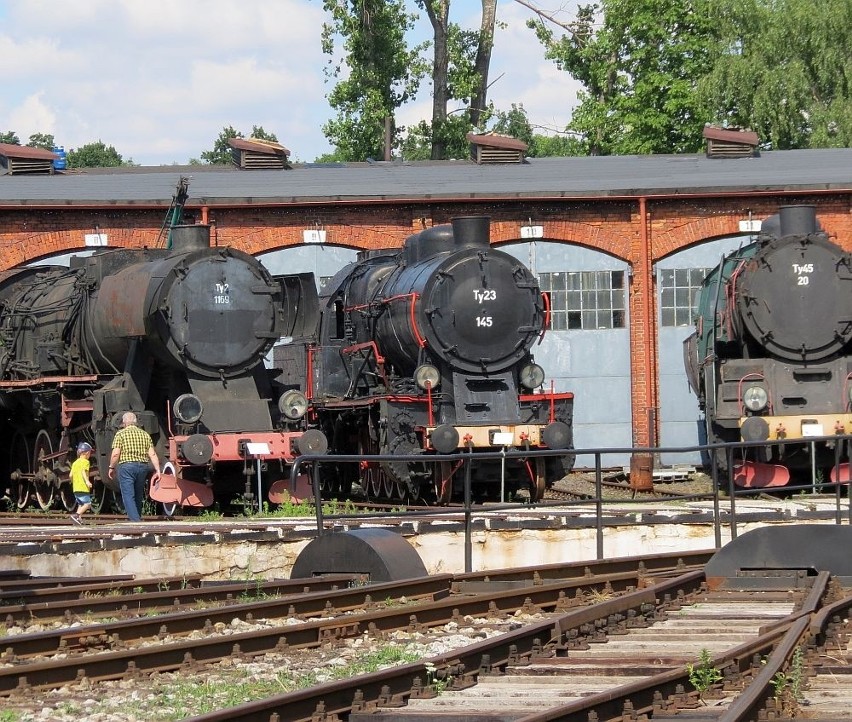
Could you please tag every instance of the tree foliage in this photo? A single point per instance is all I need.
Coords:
(221, 153)
(385, 72)
(639, 62)
(10, 137)
(42, 140)
(516, 124)
(376, 73)
(784, 69)
(460, 63)
(96, 155)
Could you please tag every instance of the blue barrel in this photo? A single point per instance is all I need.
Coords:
(60, 163)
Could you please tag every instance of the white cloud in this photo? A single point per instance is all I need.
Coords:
(160, 79)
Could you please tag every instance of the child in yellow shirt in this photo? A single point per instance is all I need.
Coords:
(80, 483)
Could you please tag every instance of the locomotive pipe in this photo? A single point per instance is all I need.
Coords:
(798, 220)
(472, 231)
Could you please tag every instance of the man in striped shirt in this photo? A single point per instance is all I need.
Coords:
(132, 449)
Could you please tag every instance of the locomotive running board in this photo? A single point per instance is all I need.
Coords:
(168, 489)
(753, 475)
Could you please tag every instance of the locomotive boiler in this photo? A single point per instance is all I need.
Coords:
(426, 350)
(176, 335)
(770, 357)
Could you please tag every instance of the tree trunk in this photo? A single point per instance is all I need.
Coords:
(483, 61)
(439, 13)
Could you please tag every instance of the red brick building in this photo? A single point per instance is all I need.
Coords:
(635, 211)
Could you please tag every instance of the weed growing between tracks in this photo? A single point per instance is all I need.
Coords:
(789, 685)
(703, 675)
(176, 696)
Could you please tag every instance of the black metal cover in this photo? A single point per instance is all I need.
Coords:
(213, 311)
(816, 547)
(794, 297)
(477, 308)
(379, 553)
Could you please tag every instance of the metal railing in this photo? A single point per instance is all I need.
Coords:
(724, 491)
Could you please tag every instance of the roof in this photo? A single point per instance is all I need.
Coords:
(538, 178)
(258, 146)
(13, 150)
(495, 140)
(730, 135)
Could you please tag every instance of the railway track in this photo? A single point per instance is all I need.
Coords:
(652, 637)
(154, 642)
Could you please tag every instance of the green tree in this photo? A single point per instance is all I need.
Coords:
(96, 155)
(784, 70)
(221, 152)
(516, 124)
(639, 62)
(258, 133)
(10, 137)
(384, 73)
(381, 73)
(460, 63)
(42, 140)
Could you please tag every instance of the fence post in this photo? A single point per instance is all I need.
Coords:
(468, 542)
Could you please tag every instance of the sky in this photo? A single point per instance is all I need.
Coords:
(160, 79)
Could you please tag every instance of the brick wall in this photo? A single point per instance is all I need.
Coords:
(613, 226)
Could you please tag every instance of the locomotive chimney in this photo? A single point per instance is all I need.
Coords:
(190, 238)
(798, 220)
(472, 231)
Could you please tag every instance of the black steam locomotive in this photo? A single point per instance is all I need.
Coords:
(427, 350)
(770, 359)
(177, 335)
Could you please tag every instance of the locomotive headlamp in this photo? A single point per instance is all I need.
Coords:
(532, 376)
(188, 408)
(755, 398)
(427, 376)
(293, 404)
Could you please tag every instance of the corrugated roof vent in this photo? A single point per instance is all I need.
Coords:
(730, 142)
(21, 159)
(256, 154)
(495, 148)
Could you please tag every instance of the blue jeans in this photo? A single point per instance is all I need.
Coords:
(132, 476)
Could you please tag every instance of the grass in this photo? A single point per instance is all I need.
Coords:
(175, 697)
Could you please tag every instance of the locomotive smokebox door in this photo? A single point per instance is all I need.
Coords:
(382, 554)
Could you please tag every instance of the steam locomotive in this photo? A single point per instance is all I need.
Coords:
(770, 359)
(426, 350)
(177, 335)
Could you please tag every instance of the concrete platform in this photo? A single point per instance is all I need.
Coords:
(267, 548)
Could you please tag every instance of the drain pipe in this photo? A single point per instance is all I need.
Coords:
(642, 465)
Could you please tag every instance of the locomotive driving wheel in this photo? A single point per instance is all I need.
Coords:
(66, 496)
(66, 488)
(169, 508)
(99, 495)
(44, 479)
(21, 486)
(444, 473)
(373, 482)
(538, 479)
